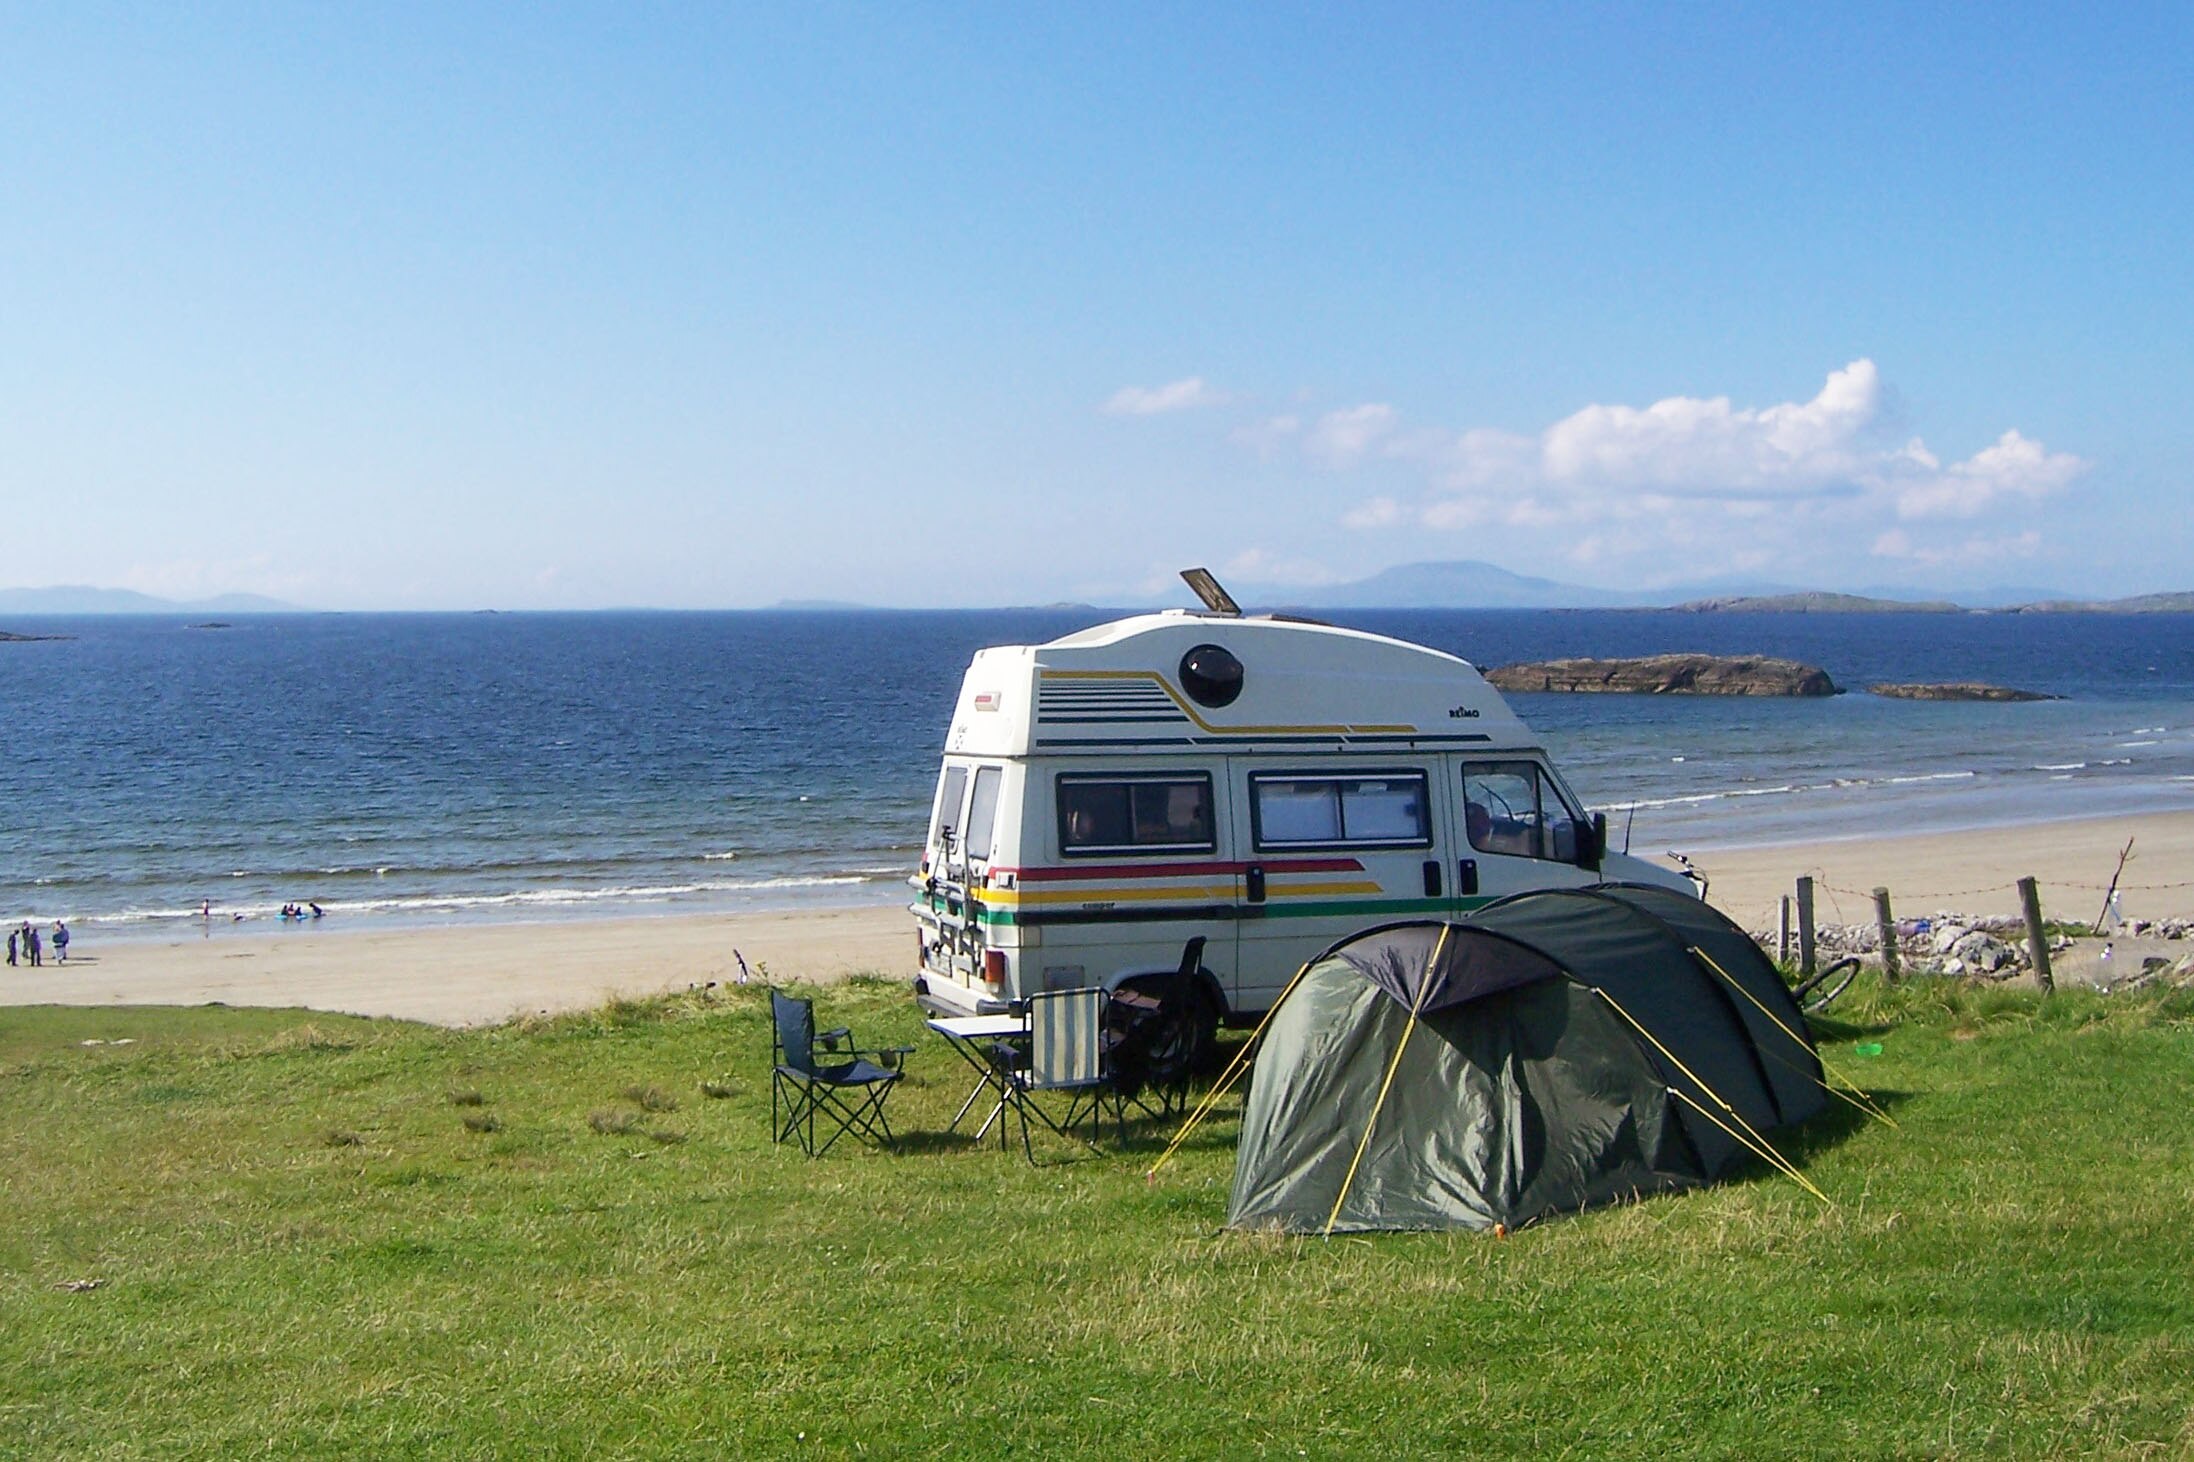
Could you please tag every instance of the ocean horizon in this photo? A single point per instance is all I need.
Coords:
(436, 768)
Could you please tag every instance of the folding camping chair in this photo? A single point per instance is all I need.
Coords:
(848, 1094)
(1066, 1050)
(1154, 1035)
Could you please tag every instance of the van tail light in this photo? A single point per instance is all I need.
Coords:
(994, 967)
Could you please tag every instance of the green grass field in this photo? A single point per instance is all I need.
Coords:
(313, 1234)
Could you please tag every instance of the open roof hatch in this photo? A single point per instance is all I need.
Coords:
(1216, 599)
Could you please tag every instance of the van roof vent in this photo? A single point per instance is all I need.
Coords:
(1216, 599)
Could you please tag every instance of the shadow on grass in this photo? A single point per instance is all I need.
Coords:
(1837, 1124)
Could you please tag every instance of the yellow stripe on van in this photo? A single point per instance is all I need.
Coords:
(1306, 890)
(1189, 710)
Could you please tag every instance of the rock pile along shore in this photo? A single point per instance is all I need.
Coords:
(1961, 946)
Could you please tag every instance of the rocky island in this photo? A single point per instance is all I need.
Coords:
(1669, 675)
(7, 638)
(1815, 602)
(1962, 690)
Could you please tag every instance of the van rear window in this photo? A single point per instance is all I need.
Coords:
(951, 795)
(1392, 810)
(982, 811)
(1148, 814)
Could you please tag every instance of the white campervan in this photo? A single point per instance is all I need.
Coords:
(1268, 784)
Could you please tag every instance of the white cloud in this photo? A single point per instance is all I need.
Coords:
(1375, 512)
(1689, 448)
(2016, 467)
(1182, 395)
(1707, 448)
(1344, 436)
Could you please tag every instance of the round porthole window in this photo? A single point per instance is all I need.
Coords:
(1211, 676)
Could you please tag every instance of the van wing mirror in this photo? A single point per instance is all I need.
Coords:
(1592, 847)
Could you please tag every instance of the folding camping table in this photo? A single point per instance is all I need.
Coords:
(972, 1036)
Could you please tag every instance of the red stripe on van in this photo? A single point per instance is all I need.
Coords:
(1178, 870)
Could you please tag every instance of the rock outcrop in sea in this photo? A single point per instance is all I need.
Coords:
(1961, 690)
(1669, 675)
(1815, 602)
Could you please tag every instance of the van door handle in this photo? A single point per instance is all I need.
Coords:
(1432, 878)
(1253, 878)
(1466, 877)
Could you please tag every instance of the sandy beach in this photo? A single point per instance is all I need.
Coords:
(473, 974)
(465, 974)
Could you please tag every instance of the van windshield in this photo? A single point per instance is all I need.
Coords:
(1514, 808)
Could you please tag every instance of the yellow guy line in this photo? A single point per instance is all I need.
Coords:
(1759, 1149)
(1424, 987)
(1226, 1078)
(1858, 1096)
(1764, 1149)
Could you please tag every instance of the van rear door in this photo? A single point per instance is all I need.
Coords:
(963, 827)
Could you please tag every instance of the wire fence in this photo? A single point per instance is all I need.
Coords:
(1912, 896)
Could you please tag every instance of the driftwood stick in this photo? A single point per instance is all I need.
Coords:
(2112, 891)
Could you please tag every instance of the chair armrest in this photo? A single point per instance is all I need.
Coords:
(829, 1039)
(891, 1058)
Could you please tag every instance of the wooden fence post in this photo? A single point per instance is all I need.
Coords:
(2031, 899)
(1782, 942)
(1887, 923)
(1805, 927)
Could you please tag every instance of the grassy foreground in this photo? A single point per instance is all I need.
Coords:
(313, 1234)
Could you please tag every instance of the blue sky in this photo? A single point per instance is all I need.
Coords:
(453, 306)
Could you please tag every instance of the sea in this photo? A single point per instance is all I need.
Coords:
(438, 768)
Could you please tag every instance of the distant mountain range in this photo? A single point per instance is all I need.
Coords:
(1467, 584)
(1462, 584)
(1456, 584)
(83, 599)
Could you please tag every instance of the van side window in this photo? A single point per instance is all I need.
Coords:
(951, 794)
(1146, 814)
(1390, 810)
(982, 812)
(1512, 808)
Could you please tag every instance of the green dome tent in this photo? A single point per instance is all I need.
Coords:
(1551, 1052)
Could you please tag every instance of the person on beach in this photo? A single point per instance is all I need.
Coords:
(60, 941)
(11, 947)
(36, 953)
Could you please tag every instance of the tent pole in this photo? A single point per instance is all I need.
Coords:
(1424, 987)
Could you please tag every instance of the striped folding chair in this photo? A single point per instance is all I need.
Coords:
(1066, 1051)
